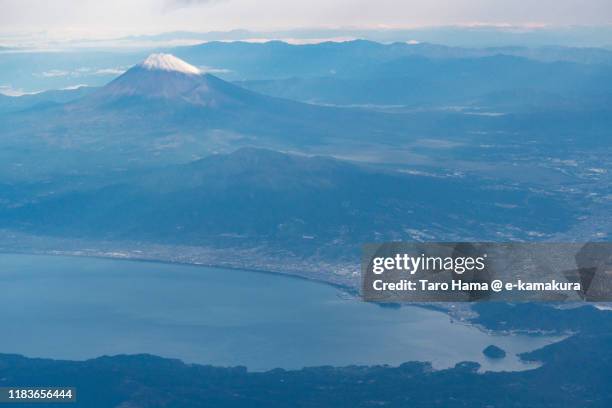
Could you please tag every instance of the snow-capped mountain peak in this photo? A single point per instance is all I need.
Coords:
(165, 77)
(168, 62)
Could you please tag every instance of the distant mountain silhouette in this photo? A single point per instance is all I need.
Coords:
(419, 81)
(12, 104)
(165, 77)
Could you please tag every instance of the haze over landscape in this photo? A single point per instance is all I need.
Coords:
(447, 129)
(253, 143)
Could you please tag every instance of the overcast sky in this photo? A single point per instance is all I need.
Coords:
(117, 17)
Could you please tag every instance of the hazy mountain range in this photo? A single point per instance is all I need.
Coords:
(167, 153)
(12, 104)
(34, 71)
(145, 117)
(151, 117)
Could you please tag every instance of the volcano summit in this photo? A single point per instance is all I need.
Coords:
(168, 62)
(163, 76)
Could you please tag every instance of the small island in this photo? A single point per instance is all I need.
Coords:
(493, 351)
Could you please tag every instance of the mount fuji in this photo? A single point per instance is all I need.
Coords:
(163, 77)
(166, 111)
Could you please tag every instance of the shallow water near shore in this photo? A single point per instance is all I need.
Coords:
(79, 308)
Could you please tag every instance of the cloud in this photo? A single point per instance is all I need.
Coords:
(82, 72)
(171, 5)
(69, 23)
(110, 71)
(213, 70)
(54, 73)
(8, 90)
(74, 87)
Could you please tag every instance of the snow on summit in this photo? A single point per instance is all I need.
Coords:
(168, 62)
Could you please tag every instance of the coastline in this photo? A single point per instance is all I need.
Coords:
(459, 313)
(349, 290)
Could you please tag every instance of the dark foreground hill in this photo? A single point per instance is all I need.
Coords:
(256, 197)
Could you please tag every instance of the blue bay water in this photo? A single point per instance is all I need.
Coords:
(79, 308)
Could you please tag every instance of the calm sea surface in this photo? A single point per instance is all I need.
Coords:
(79, 308)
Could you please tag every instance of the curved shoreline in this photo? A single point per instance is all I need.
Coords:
(353, 292)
